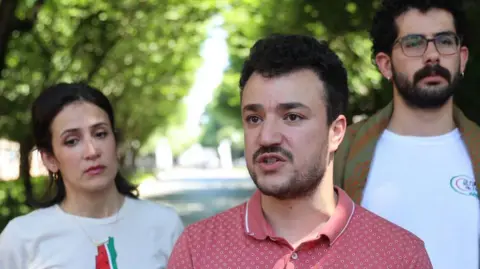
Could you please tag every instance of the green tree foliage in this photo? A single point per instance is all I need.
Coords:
(344, 25)
(468, 97)
(142, 54)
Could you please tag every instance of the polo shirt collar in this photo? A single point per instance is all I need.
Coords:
(258, 227)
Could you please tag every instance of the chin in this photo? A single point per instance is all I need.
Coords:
(273, 180)
(99, 184)
(269, 179)
(274, 190)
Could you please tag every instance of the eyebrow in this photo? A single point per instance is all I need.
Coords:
(281, 106)
(96, 125)
(448, 32)
(252, 107)
(293, 105)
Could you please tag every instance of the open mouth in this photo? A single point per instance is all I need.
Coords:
(433, 83)
(432, 80)
(270, 162)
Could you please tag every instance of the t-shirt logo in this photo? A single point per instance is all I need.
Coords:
(107, 255)
(464, 185)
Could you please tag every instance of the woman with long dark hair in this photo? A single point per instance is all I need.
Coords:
(93, 219)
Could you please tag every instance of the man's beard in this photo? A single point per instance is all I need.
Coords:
(300, 184)
(427, 97)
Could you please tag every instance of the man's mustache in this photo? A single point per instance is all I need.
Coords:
(430, 70)
(273, 149)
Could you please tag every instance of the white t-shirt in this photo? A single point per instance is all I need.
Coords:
(426, 185)
(144, 234)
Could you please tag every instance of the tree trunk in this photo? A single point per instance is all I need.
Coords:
(26, 146)
(7, 20)
(10, 23)
(133, 164)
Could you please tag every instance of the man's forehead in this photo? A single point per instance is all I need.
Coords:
(277, 103)
(283, 89)
(427, 23)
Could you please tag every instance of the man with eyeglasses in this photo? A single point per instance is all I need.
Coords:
(417, 161)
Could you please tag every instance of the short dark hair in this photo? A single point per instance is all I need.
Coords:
(384, 30)
(280, 54)
(44, 110)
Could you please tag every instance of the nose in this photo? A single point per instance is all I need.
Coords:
(431, 55)
(91, 150)
(269, 134)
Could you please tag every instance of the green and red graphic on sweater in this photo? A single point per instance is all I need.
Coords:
(106, 255)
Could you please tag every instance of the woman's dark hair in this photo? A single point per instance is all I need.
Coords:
(44, 110)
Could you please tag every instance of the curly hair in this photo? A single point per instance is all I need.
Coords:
(384, 30)
(279, 54)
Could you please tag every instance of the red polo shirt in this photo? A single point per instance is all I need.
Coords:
(352, 238)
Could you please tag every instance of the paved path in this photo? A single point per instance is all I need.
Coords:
(199, 194)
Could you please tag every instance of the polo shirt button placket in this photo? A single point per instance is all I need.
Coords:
(294, 256)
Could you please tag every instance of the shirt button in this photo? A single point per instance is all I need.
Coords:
(294, 256)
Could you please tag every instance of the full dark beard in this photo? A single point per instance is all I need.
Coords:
(299, 184)
(428, 97)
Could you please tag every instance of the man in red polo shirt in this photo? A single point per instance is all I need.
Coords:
(294, 95)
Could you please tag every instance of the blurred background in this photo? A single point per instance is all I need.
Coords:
(171, 70)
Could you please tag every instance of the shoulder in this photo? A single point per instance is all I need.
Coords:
(388, 231)
(227, 218)
(207, 237)
(226, 223)
(161, 222)
(353, 129)
(386, 240)
(153, 209)
(20, 230)
(341, 154)
(350, 134)
(373, 122)
(154, 213)
(41, 217)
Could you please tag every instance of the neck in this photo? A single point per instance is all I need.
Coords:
(421, 122)
(295, 220)
(99, 205)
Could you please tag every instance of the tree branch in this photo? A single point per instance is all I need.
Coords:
(5, 103)
(26, 25)
(10, 23)
(7, 18)
(41, 44)
(100, 59)
(78, 43)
